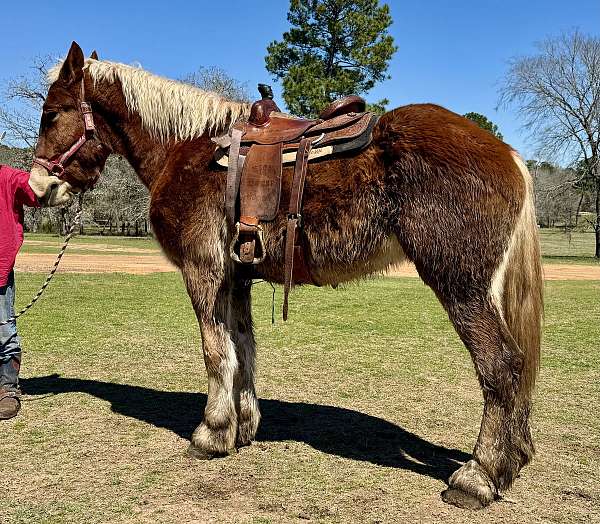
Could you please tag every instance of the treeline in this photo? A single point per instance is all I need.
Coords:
(563, 197)
(118, 205)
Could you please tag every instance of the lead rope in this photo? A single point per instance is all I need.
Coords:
(54, 268)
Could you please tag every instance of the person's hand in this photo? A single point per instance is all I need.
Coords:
(49, 190)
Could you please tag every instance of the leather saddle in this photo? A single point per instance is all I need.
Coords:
(255, 152)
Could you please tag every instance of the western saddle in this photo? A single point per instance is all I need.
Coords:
(254, 153)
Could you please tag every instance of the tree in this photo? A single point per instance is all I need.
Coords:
(334, 48)
(23, 98)
(218, 81)
(483, 122)
(558, 204)
(557, 94)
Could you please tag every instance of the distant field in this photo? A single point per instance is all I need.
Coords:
(369, 402)
(562, 247)
(110, 241)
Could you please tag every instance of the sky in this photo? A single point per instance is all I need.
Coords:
(450, 52)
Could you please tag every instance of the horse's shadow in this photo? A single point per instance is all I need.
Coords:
(337, 431)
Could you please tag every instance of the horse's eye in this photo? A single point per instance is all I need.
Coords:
(50, 116)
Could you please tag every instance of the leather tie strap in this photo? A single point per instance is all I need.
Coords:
(233, 175)
(294, 217)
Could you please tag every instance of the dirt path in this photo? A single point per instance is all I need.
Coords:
(142, 265)
(77, 263)
(551, 272)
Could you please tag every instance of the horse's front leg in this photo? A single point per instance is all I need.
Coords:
(245, 345)
(210, 292)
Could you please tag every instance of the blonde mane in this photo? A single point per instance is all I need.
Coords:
(168, 109)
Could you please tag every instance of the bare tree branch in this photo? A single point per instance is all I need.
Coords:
(557, 94)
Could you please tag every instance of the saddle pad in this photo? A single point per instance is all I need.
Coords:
(288, 157)
(260, 187)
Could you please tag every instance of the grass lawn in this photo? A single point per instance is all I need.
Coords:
(113, 241)
(568, 248)
(369, 402)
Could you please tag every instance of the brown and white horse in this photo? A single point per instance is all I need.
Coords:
(432, 188)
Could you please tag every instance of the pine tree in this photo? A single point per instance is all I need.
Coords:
(334, 48)
(483, 122)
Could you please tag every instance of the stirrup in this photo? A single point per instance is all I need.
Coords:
(261, 246)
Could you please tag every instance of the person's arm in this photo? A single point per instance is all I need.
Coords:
(21, 189)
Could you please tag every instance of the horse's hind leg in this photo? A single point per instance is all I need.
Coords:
(210, 292)
(504, 445)
(243, 333)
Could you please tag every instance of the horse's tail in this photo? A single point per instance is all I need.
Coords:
(522, 289)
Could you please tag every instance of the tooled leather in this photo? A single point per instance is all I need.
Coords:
(361, 125)
(260, 187)
(276, 130)
(347, 104)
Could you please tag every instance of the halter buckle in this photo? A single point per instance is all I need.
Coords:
(57, 169)
(88, 118)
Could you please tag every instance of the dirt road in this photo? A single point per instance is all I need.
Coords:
(157, 263)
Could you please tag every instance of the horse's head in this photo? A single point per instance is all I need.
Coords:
(69, 156)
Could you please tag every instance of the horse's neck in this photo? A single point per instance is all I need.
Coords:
(147, 154)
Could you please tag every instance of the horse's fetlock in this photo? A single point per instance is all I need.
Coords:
(248, 418)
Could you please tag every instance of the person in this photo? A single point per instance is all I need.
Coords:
(16, 191)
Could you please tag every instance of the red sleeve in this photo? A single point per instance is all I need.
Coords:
(24, 195)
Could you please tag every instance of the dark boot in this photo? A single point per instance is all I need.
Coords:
(10, 403)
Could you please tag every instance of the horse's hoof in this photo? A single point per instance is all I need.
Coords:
(198, 454)
(461, 499)
(470, 487)
(201, 454)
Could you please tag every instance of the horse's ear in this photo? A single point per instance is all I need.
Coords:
(72, 68)
(94, 55)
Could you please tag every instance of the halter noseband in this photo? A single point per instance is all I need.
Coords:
(56, 166)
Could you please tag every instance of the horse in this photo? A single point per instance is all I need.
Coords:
(432, 188)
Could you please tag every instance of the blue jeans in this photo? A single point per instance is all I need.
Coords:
(10, 343)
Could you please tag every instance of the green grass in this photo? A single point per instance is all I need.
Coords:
(366, 392)
(563, 248)
(135, 242)
(74, 250)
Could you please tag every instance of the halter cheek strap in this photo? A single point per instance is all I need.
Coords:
(56, 166)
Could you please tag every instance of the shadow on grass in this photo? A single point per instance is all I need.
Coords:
(333, 430)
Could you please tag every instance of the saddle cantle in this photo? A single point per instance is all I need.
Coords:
(254, 153)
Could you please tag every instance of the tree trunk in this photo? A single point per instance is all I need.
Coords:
(597, 227)
(578, 210)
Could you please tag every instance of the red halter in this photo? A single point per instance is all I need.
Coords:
(56, 166)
